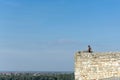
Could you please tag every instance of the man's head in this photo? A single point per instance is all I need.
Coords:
(89, 46)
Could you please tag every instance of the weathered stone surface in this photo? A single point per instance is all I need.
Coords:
(97, 66)
(112, 78)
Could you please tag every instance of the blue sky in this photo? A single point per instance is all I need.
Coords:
(43, 35)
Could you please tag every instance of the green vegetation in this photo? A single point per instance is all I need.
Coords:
(36, 76)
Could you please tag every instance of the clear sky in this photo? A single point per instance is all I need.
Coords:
(43, 35)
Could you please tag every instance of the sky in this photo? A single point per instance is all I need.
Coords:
(44, 35)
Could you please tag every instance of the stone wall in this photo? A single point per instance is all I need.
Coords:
(97, 66)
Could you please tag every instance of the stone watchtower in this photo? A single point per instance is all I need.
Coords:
(97, 66)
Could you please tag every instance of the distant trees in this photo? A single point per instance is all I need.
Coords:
(33, 76)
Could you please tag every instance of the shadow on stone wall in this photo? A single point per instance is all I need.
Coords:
(112, 78)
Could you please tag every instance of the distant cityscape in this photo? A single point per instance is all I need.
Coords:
(36, 75)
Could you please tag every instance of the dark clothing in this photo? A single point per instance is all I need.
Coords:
(89, 49)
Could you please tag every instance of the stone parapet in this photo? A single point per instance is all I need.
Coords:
(97, 66)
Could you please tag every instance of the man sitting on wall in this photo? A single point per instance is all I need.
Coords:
(89, 49)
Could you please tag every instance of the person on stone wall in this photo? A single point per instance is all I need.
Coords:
(89, 49)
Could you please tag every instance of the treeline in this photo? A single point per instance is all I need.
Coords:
(30, 76)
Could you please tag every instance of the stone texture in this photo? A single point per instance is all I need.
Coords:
(97, 66)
